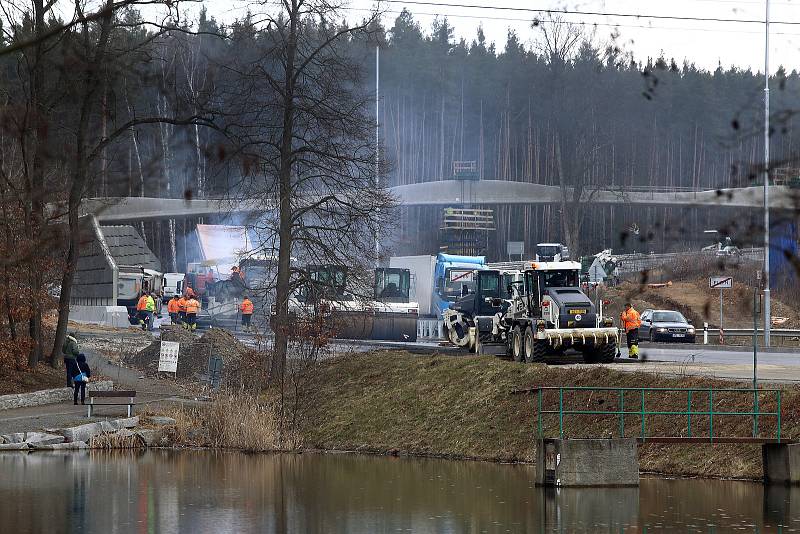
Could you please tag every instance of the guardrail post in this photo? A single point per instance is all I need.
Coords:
(621, 413)
(539, 395)
(561, 413)
(711, 414)
(705, 333)
(689, 414)
(642, 413)
(779, 415)
(755, 413)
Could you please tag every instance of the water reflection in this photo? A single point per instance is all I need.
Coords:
(194, 491)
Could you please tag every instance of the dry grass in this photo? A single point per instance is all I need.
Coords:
(464, 407)
(117, 440)
(243, 422)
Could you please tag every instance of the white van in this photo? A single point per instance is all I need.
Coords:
(173, 285)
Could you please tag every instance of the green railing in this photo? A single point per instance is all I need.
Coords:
(632, 402)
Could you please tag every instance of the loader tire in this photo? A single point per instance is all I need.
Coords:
(535, 349)
(608, 352)
(517, 345)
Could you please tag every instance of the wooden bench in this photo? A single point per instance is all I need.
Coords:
(130, 395)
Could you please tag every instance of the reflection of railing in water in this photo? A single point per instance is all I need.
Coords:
(639, 410)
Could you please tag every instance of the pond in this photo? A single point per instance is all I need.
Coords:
(200, 491)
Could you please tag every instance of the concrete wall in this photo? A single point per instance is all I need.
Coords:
(587, 462)
(781, 463)
(116, 316)
(48, 396)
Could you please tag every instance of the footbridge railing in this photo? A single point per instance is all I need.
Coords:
(661, 415)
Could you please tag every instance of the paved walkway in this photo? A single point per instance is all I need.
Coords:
(149, 392)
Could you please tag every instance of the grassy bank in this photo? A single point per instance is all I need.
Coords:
(394, 402)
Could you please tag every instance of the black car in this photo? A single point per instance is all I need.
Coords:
(666, 325)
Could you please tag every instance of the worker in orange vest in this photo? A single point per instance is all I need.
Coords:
(192, 309)
(141, 310)
(173, 309)
(182, 310)
(630, 323)
(246, 308)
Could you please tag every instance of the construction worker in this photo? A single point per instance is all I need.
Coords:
(173, 309)
(247, 312)
(192, 309)
(630, 323)
(150, 309)
(182, 311)
(141, 310)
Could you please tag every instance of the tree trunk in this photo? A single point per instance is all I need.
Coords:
(282, 289)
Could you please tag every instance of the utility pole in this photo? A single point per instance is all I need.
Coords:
(767, 314)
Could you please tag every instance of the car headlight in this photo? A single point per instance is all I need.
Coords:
(691, 330)
(661, 330)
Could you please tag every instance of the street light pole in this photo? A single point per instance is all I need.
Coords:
(377, 136)
(767, 315)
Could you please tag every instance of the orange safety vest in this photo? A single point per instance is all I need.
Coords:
(142, 304)
(182, 304)
(192, 306)
(172, 306)
(247, 307)
(630, 319)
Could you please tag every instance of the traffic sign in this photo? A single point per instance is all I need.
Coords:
(720, 282)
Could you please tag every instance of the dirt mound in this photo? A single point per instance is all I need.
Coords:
(223, 344)
(194, 352)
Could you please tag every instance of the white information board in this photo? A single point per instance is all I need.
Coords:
(168, 357)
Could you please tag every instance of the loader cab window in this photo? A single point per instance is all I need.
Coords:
(392, 285)
(547, 252)
(560, 278)
(455, 282)
(490, 284)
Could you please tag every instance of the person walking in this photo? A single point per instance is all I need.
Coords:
(630, 323)
(192, 309)
(141, 310)
(150, 308)
(80, 375)
(173, 308)
(247, 313)
(71, 351)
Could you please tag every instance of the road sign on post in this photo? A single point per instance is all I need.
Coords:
(720, 282)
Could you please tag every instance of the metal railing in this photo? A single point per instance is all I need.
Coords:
(632, 402)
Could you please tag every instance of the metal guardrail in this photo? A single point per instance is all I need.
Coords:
(637, 406)
(631, 263)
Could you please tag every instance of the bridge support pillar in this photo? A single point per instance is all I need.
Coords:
(781, 463)
(587, 462)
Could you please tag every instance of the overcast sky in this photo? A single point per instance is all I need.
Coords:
(706, 43)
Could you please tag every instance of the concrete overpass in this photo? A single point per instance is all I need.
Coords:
(453, 193)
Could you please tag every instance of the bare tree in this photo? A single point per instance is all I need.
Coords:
(308, 151)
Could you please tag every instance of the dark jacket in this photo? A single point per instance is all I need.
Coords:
(79, 366)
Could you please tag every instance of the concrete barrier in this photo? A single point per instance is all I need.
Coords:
(587, 462)
(116, 316)
(781, 463)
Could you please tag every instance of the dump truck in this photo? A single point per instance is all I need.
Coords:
(541, 312)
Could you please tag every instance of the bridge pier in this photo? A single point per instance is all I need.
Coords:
(781, 463)
(587, 462)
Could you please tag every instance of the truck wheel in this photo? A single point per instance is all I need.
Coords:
(517, 345)
(535, 349)
(608, 352)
